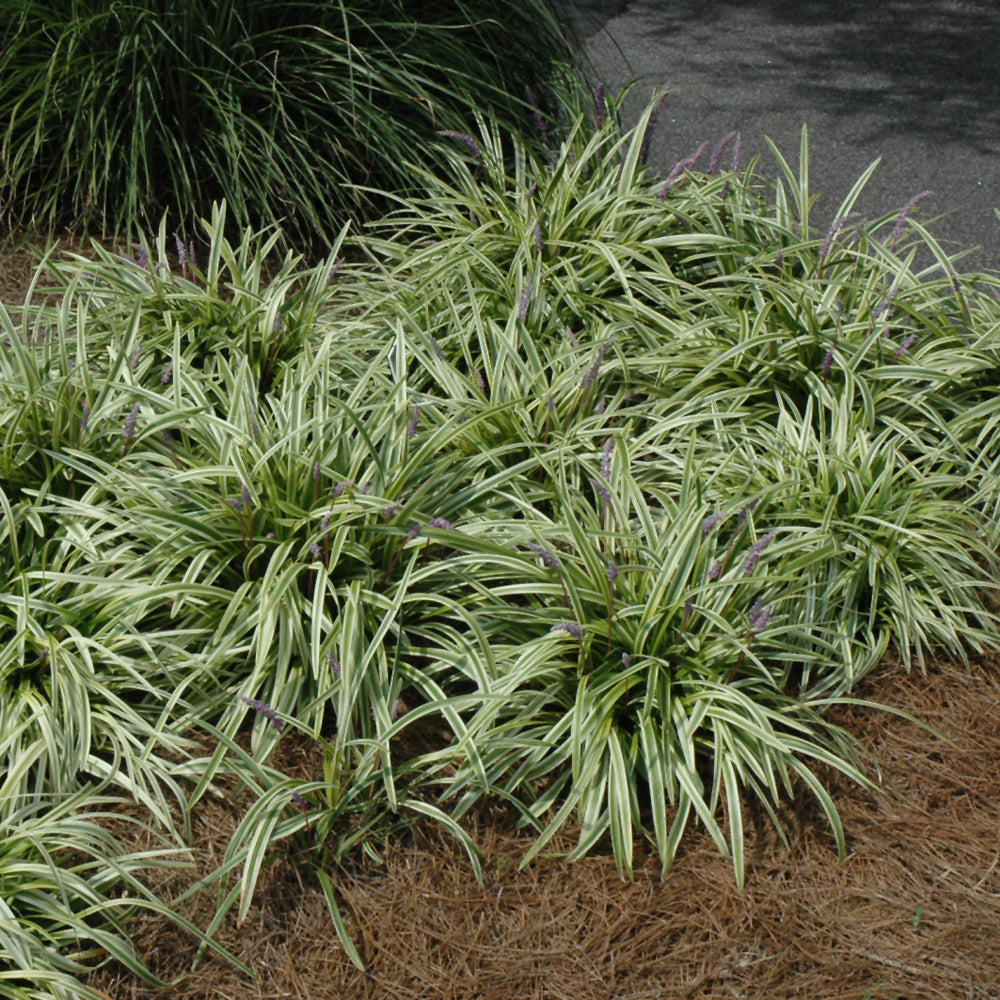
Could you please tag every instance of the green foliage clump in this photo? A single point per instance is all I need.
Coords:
(293, 111)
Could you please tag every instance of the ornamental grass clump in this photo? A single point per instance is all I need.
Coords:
(291, 111)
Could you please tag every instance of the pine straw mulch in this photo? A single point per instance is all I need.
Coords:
(913, 911)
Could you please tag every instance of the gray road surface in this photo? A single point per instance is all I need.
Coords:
(915, 82)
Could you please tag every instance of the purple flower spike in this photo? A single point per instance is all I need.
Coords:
(130, 422)
(463, 138)
(612, 572)
(601, 102)
(713, 161)
(547, 557)
(316, 552)
(897, 230)
(716, 571)
(626, 660)
(338, 490)
(835, 227)
(168, 374)
(299, 801)
(245, 495)
(710, 522)
(411, 427)
(647, 136)
(522, 308)
(828, 363)
(755, 553)
(337, 265)
(334, 665)
(746, 512)
(570, 627)
(609, 447)
(595, 368)
(84, 416)
(539, 242)
(182, 257)
(759, 615)
(904, 346)
(601, 487)
(441, 522)
(269, 713)
(415, 530)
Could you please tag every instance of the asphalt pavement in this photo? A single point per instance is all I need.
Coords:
(915, 82)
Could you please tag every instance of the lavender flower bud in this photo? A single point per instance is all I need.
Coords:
(601, 488)
(441, 522)
(299, 801)
(539, 242)
(168, 374)
(414, 531)
(716, 571)
(609, 447)
(337, 265)
(570, 627)
(717, 152)
(612, 572)
(245, 494)
(601, 101)
(550, 404)
(897, 230)
(904, 346)
(411, 427)
(547, 557)
(463, 138)
(595, 368)
(235, 503)
(133, 416)
(647, 136)
(522, 309)
(141, 255)
(755, 553)
(317, 552)
(317, 470)
(759, 616)
(828, 363)
(746, 512)
(181, 250)
(437, 349)
(84, 416)
(341, 486)
(626, 660)
(325, 523)
(192, 256)
(334, 665)
(572, 337)
(835, 227)
(134, 357)
(269, 713)
(711, 522)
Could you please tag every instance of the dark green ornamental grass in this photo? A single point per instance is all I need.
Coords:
(113, 114)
